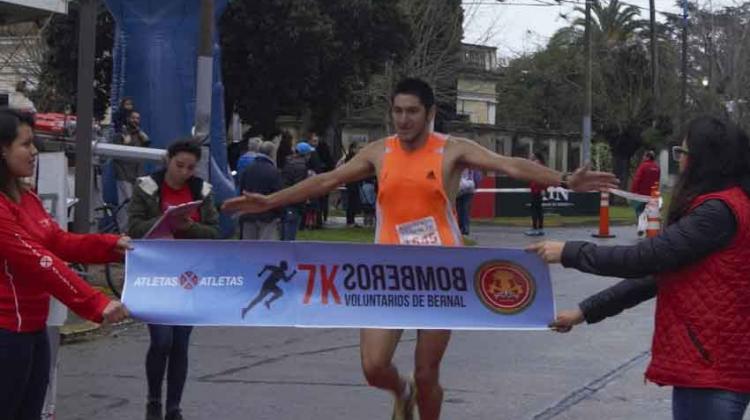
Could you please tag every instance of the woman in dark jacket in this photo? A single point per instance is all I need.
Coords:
(698, 274)
(152, 196)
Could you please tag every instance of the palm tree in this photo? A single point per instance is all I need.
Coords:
(621, 78)
(613, 24)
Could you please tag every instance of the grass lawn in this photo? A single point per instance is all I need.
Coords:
(619, 215)
(360, 235)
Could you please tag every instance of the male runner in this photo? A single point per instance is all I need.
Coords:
(418, 176)
(270, 285)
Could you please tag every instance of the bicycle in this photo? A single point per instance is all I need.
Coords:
(107, 223)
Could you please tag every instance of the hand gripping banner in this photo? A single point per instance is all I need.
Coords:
(311, 284)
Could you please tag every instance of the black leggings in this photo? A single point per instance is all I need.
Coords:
(353, 204)
(24, 373)
(537, 214)
(169, 347)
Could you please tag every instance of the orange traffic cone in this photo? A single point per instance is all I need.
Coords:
(653, 213)
(604, 217)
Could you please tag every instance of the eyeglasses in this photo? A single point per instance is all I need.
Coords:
(678, 151)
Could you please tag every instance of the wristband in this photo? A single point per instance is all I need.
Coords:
(564, 182)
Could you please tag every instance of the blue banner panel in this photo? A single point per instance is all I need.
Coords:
(332, 285)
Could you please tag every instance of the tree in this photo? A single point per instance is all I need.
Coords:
(58, 80)
(25, 49)
(612, 24)
(367, 34)
(270, 53)
(434, 30)
(544, 90)
(718, 60)
(622, 80)
(306, 56)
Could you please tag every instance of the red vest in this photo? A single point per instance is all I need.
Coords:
(702, 331)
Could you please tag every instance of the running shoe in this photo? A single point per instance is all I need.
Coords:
(403, 408)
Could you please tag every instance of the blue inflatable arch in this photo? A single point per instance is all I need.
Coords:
(155, 63)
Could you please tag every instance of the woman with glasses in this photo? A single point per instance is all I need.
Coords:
(696, 268)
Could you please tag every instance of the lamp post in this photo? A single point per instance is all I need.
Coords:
(588, 101)
(85, 113)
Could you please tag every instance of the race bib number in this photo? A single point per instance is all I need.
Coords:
(419, 232)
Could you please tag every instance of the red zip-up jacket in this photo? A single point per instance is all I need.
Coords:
(702, 312)
(537, 188)
(33, 251)
(646, 176)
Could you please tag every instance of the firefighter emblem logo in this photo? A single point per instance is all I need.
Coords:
(505, 287)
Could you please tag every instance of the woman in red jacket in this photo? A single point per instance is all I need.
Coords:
(699, 263)
(33, 252)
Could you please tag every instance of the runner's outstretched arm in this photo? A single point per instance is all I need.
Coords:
(475, 156)
(264, 270)
(290, 276)
(360, 167)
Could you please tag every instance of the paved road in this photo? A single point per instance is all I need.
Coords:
(595, 372)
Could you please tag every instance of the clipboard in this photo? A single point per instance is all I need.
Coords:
(163, 228)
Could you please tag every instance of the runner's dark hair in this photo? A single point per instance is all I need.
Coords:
(418, 88)
(188, 145)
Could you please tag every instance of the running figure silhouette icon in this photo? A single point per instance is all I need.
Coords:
(270, 285)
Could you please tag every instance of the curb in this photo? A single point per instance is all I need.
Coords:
(87, 331)
(563, 225)
(78, 330)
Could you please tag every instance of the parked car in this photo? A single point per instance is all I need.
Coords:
(55, 123)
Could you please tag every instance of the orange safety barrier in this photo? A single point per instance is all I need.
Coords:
(604, 217)
(653, 213)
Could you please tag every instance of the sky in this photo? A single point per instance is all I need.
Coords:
(515, 27)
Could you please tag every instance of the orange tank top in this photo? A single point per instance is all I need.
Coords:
(412, 206)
